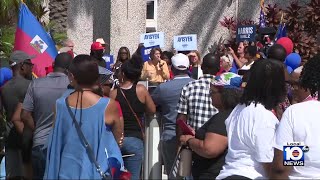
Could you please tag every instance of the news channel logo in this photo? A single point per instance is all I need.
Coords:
(293, 154)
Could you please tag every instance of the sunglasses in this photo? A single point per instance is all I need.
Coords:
(28, 63)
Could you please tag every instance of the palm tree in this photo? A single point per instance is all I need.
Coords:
(58, 14)
(9, 10)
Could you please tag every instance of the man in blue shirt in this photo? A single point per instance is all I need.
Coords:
(166, 96)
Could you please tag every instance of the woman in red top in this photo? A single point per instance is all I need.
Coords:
(106, 84)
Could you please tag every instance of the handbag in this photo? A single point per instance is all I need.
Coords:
(134, 114)
(87, 145)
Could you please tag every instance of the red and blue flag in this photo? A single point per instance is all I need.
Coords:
(34, 40)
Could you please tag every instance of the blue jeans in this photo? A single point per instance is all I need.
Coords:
(39, 157)
(133, 145)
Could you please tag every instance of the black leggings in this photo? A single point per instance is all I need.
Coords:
(236, 177)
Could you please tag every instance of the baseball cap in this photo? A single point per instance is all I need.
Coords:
(101, 41)
(104, 74)
(96, 46)
(19, 56)
(180, 62)
(227, 80)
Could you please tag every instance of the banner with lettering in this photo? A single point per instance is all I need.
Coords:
(152, 39)
(146, 52)
(185, 42)
(246, 33)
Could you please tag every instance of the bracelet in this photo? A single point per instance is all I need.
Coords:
(187, 143)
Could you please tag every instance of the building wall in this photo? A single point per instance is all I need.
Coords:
(117, 22)
(120, 22)
(128, 21)
(202, 17)
(199, 17)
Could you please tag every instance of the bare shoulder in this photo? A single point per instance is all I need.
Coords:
(141, 88)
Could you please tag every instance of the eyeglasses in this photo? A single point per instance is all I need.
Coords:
(28, 63)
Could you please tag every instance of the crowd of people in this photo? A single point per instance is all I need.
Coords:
(83, 121)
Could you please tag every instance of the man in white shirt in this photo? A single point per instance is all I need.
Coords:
(300, 123)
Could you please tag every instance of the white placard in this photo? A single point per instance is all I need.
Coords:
(185, 42)
(152, 39)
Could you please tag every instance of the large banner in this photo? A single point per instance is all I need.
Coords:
(246, 33)
(31, 38)
(152, 39)
(185, 42)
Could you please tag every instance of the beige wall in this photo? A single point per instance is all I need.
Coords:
(111, 20)
(120, 24)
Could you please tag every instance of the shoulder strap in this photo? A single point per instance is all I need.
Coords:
(82, 137)
(134, 113)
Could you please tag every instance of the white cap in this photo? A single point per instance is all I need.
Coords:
(298, 70)
(180, 62)
(100, 40)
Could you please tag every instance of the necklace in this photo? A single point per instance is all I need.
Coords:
(127, 85)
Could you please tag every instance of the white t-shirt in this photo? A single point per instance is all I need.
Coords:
(251, 136)
(300, 123)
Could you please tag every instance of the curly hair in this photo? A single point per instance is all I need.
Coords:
(132, 68)
(310, 75)
(266, 84)
(230, 97)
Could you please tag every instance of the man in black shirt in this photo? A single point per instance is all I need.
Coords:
(12, 91)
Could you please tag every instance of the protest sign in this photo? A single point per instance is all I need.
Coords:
(246, 33)
(109, 61)
(152, 39)
(185, 42)
(146, 52)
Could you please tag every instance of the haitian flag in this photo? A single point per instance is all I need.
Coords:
(33, 39)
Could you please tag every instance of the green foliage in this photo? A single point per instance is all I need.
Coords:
(7, 34)
(8, 17)
(302, 23)
(9, 10)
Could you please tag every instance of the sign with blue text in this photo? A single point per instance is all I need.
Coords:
(109, 61)
(185, 42)
(146, 52)
(152, 39)
(246, 33)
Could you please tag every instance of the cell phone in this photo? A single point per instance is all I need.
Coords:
(186, 130)
(227, 46)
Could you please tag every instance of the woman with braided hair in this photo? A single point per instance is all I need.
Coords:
(300, 123)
